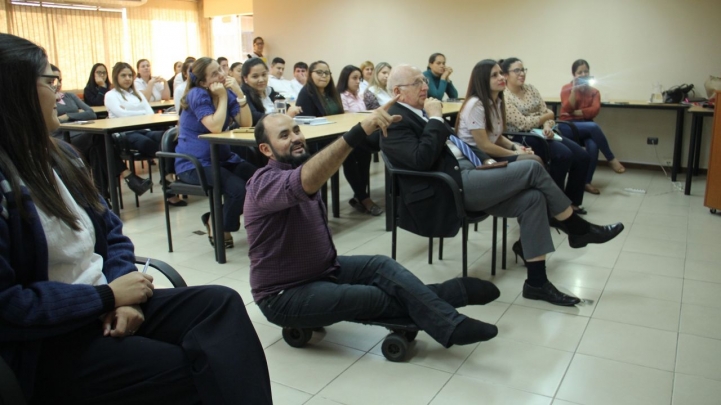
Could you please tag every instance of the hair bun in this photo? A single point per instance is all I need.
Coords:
(500, 61)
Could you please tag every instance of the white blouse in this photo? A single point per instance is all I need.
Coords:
(71, 254)
(156, 95)
(121, 103)
(473, 116)
(382, 95)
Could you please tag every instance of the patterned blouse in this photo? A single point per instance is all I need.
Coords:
(524, 113)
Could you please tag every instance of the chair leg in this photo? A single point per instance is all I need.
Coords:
(132, 170)
(120, 191)
(465, 247)
(430, 250)
(503, 243)
(167, 225)
(394, 234)
(440, 248)
(493, 246)
(475, 227)
(150, 176)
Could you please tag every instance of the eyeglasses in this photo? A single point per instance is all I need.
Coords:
(322, 73)
(417, 83)
(97, 72)
(53, 83)
(518, 71)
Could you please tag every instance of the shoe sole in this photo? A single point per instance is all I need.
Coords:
(538, 298)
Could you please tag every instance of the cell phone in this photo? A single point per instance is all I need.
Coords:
(493, 165)
(81, 122)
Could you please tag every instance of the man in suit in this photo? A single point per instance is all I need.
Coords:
(423, 141)
(296, 275)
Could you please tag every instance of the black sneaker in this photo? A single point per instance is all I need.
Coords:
(137, 184)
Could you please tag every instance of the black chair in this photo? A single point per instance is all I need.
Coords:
(10, 392)
(131, 156)
(465, 217)
(167, 158)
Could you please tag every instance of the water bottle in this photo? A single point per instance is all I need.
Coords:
(280, 106)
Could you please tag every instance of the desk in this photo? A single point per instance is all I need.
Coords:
(111, 125)
(694, 143)
(555, 103)
(339, 125)
(102, 112)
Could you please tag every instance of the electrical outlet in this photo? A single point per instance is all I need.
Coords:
(651, 141)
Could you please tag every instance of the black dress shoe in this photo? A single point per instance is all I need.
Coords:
(597, 234)
(550, 294)
(137, 184)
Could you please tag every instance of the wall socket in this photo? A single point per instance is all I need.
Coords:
(651, 141)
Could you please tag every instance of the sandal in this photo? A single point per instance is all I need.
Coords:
(618, 167)
(357, 205)
(229, 242)
(375, 210)
(589, 188)
(205, 218)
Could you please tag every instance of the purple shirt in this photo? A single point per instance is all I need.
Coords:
(290, 242)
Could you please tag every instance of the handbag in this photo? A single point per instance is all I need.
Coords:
(676, 94)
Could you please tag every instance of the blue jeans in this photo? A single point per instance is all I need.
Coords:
(367, 288)
(233, 177)
(590, 136)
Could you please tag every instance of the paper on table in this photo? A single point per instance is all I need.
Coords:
(539, 132)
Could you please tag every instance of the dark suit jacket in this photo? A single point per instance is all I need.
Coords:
(415, 144)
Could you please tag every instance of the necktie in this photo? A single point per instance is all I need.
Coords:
(466, 150)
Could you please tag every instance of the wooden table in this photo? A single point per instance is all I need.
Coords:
(109, 126)
(694, 143)
(102, 111)
(555, 103)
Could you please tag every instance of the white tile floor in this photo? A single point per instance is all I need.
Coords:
(650, 332)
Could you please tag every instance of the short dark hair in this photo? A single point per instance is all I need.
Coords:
(577, 64)
(276, 61)
(505, 64)
(222, 58)
(301, 65)
(235, 64)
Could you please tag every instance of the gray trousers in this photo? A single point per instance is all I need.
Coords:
(522, 190)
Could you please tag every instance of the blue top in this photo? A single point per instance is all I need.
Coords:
(200, 105)
(437, 88)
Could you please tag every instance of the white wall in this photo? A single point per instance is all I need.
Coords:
(630, 45)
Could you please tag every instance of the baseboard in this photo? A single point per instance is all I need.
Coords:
(647, 166)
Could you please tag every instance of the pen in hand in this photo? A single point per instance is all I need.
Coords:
(145, 268)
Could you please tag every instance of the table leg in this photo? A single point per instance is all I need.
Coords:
(112, 170)
(697, 150)
(217, 204)
(335, 194)
(691, 154)
(389, 201)
(677, 143)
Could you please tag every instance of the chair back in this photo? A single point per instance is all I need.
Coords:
(168, 144)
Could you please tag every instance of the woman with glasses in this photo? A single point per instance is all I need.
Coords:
(319, 97)
(261, 97)
(438, 75)
(79, 322)
(581, 103)
(356, 167)
(526, 110)
(98, 84)
(154, 88)
(213, 102)
(377, 94)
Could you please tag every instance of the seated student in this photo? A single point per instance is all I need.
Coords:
(319, 97)
(177, 69)
(154, 88)
(98, 84)
(236, 72)
(438, 75)
(179, 79)
(526, 110)
(300, 77)
(124, 101)
(261, 97)
(308, 284)
(258, 45)
(180, 88)
(277, 82)
(223, 62)
(367, 69)
(356, 167)
(581, 103)
(212, 102)
(483, 116)
(423, 141)
(376, 93)
(79, 323)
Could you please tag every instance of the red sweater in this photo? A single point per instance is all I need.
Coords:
(587, 100)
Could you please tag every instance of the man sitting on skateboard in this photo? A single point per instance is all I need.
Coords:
(297, 278)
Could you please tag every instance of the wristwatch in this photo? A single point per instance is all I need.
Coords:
(242, 101)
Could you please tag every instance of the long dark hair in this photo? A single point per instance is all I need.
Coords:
(479, 86)
(120, 66)
(27, 151)
(252, 95)
(91, 79)
(196, 74)
(330, 92)
(577, 64)
(344, 76)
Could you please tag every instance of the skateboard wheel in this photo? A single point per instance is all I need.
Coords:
(395, 347)
(297, 337)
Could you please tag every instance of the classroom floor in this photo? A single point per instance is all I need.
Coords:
(650, 332)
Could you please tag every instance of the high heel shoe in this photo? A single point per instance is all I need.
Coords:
(517, 249)
(205, 218)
